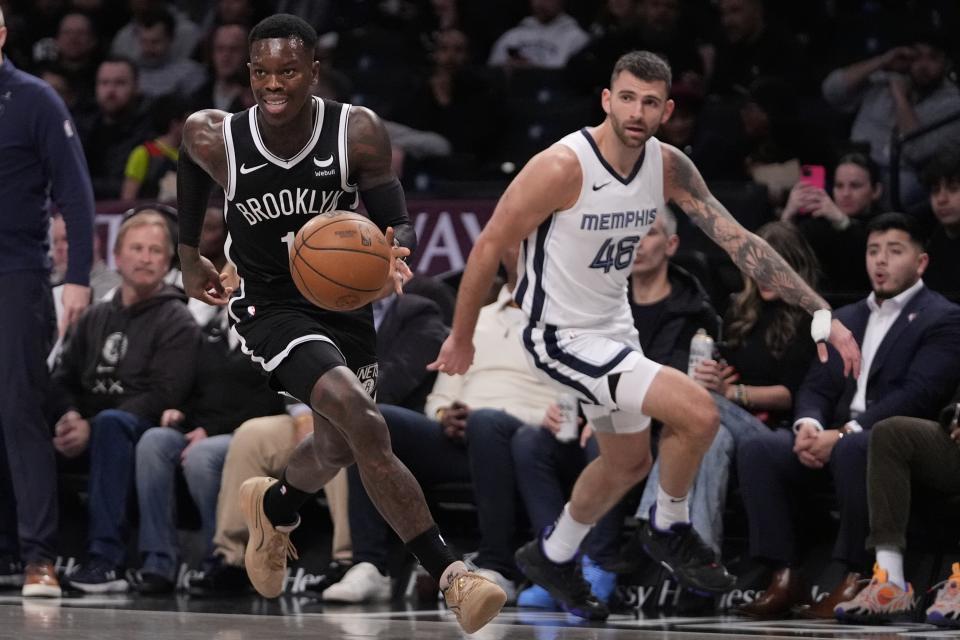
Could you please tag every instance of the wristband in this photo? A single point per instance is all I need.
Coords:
(741, 396)
(820, 326)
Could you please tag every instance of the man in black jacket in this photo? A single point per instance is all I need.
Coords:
(668, 303)
(129, 359)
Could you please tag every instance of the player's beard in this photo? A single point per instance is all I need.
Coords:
(620, 130)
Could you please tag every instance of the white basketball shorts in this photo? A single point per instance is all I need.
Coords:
(582, 363)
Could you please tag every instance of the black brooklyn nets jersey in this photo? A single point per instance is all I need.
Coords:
(269, 198)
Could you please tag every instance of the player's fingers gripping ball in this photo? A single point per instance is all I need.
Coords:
(340, 261)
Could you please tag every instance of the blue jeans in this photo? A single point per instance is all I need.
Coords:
(708, 497)
(489, 436)
(113, 436)
(546, 472)
(158, 456)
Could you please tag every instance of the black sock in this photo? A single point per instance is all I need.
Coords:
(282, 502)
(432, 552)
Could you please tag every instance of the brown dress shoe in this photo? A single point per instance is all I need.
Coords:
(848, 588)
(786, 590)
(40, 581)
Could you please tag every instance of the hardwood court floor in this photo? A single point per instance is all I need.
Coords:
(185, 618)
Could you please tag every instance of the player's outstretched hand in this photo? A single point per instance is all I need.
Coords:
(845, 344)
(454, 357)
(201, 280)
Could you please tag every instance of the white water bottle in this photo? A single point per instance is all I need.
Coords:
(568, 406)
(701, 348)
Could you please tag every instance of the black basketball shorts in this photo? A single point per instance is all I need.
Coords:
(295, 343)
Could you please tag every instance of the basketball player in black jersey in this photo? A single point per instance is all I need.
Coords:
(281, 162)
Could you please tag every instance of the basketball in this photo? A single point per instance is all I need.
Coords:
(340, 261)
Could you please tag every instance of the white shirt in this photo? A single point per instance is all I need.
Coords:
(882, 317)
(548, 46)
(500, 377)
(381, 308)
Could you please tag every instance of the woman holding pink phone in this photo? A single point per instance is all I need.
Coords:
(835, 226)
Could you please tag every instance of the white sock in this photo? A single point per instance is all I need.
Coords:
(670, 510)
(563, 542)
(890, 559)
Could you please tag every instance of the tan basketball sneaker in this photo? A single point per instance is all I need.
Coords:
(268, 546)
(475, 600)
(40, 581)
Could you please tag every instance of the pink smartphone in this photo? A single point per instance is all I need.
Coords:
(814, 174)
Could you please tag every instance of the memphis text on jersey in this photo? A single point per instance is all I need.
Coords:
(618, 220)
(288, 202)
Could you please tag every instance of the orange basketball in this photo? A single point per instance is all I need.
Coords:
(339, 260)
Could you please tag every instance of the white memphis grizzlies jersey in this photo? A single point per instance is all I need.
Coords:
(573, 269)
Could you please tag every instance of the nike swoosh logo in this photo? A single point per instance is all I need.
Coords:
(245, 169)
(259, 510)
(597, 187)
(323, 163)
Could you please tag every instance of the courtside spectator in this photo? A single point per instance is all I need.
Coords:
(907, 87)
(910, 340)
(546, 39)
(836, 227)
(128, 359)
(942, 179)
(119, 124)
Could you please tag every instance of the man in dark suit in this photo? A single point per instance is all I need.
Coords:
(910, 340)
(410, 329)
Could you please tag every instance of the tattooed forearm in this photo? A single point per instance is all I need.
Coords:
(752, 255)
(759, 261)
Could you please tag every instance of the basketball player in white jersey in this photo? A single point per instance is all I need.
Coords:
(578, 210)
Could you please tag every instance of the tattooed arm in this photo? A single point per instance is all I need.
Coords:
(684, 186)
